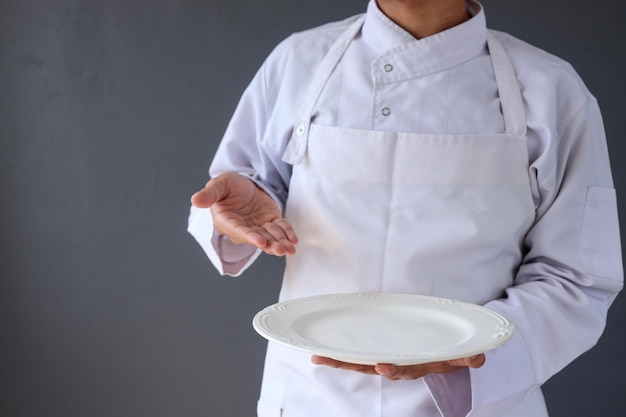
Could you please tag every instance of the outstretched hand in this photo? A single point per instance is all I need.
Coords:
(246, 214)
(395, 373)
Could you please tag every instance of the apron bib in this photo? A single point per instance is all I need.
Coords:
(441, 215)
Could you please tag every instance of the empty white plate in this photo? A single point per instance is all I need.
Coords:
(371, 328)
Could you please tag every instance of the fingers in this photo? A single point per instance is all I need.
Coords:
(389, 371)
(475, 361)
(418, 371)
(263, 239)
(287, 230)
(275, 238)
(282, 238)
(251, 236)
(394, 372)
(364, 369)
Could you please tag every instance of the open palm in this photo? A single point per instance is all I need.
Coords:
(246, 214)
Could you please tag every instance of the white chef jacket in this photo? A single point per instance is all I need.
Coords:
(389, 81)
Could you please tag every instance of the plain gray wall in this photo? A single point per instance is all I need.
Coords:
(110, 112)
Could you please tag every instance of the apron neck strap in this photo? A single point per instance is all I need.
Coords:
(296, 147)
(511, 101)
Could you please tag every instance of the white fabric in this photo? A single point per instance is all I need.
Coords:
(423, 199)
(571, 269)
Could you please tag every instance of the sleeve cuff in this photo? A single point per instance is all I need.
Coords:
(227, 257)
(493, 389)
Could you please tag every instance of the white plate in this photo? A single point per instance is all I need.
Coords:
(370, 328)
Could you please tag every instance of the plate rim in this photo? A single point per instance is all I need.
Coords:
(505, 328)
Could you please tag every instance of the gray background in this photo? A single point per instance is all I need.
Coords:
(110, 112)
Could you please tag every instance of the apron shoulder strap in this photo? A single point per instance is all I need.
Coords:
(508, 88)
(296, 148)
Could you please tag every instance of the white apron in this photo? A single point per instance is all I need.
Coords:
(431, 214)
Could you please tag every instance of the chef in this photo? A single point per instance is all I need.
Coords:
(412, 150)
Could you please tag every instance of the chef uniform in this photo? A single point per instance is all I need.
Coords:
(465, 165)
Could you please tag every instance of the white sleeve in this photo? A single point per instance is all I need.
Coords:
(243, 149)
(570, 275)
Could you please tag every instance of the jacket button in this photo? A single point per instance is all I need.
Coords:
(386, 111)
(300, 130)
(388, 67)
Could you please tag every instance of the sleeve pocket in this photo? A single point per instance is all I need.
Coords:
(600, 248)
(265, 409)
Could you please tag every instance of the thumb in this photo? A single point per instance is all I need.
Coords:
(475, 361)
(214, 191)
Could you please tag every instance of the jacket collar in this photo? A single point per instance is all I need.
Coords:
(414, 57)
